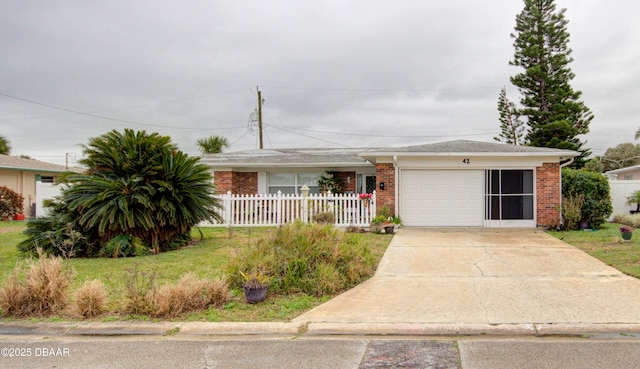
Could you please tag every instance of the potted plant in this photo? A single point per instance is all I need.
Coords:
(366, 198)
(255, 287)
(634, 198)
(390, 224)
(377, 223)
(626, 233)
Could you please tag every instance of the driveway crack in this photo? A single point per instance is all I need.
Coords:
(488, 256)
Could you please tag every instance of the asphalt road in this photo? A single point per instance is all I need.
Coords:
(617, 351)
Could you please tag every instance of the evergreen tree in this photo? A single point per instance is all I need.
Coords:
(512, 128)
(555, 115)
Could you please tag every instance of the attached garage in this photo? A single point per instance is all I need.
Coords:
(471, 184)
(442, 198)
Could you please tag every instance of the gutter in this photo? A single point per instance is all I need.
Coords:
(396, 186)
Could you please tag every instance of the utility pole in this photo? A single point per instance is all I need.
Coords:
(259, 116)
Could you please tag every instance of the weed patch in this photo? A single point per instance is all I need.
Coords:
(312, 259)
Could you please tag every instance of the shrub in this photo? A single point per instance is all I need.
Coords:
(124, 245)
(325, 217)
(595, 188)
(630, 220)
(43, 292)
(90, 299)
(572, 211)
(189, 294)
(312, 259)
(11, 202)
(56, 234)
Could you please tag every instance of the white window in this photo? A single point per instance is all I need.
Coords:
(628, 177)
(291, 182)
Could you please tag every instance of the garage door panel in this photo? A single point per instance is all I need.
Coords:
(442, 197)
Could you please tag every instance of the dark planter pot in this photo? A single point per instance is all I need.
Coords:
(255, 294)
(626, 236)
(584, 225)
(389, 229)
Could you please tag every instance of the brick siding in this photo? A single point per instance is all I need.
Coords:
(348, 179)
(548, 194)
(240, 183)
(385, 172)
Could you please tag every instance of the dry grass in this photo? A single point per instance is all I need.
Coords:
(90, 299)
(189, 294)
(42, 293)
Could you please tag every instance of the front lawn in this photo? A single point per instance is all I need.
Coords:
(205, 258)
(606, 244)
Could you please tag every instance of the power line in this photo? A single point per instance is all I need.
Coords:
(314, 138)
(384, 135)
(100, 116)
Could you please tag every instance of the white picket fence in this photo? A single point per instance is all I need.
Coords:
(276, 209)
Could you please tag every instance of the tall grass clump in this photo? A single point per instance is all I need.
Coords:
(190, 294)
(43, 291)
(628, 219)
(313, 259)
(90, 299)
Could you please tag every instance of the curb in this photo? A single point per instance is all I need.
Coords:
(295, 329)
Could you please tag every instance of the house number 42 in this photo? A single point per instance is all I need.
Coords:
(466, 161)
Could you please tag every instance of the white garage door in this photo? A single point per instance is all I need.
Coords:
(442, 198)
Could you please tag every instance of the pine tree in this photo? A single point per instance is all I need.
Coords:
(512, 128)
(555, 115)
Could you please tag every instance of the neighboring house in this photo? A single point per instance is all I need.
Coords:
(457, 183)
(625, 174)
(20, 175)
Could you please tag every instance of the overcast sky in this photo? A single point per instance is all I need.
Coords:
(332, 72)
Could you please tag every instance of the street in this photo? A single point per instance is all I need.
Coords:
(202, 352)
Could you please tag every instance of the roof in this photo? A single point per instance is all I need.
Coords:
(18, 163)
(332, 157)
(340, 157)
(624, 170)
(473, 147)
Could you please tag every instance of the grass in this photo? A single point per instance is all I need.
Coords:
(606, 244)
(204, 258)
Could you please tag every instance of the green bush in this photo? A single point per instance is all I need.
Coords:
(595, 188)
(312, 259)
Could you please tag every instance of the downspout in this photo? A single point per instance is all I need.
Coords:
(396, 191)
(571, 160)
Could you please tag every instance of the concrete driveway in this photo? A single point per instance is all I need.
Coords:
(479, 280)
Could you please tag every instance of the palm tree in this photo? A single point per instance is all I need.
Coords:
(5, 145)
(140, 185)
(212, 144)
(637, 134)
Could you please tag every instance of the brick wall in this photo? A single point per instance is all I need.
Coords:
(245, 183)
(548, 194)
(223, 181)
(385, 172)
(241, 183)
(348, 179)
